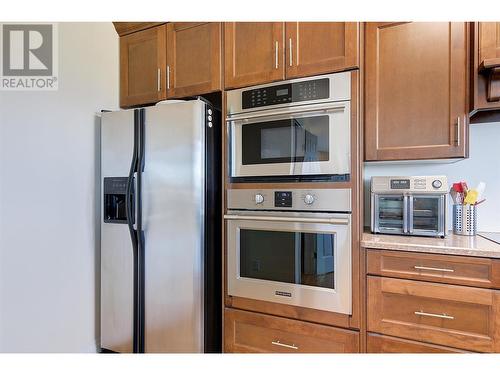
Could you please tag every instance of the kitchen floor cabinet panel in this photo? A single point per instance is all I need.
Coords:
(449, 315)
(142, 67)
(449, 269)
(416, 90)
(321, 47)
(254, 53)
(193, 58)
(246, 332)
(386, 344)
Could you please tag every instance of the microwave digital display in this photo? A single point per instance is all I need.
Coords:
(400, 184)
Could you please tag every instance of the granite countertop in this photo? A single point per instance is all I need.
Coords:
(476, 246)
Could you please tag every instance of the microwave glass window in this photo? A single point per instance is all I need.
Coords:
(426, 213)
(289, 257)
(302, 139)
(391, 213)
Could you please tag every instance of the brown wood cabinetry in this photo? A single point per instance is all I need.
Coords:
(449, 269)
(416, 90)
(320, 47)
(262, 52)
(142, 67)
(193, 58)
(254, 53)
(449, 315)
(246, 332)
(485, 91)
(124, 28)
(386, 344)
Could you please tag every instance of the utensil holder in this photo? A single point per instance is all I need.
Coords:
(464, 220)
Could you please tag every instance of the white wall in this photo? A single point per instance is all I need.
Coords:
(48, 155)
(482, 165)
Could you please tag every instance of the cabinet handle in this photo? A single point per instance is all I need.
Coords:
(457, 142)
(158, 77)
(278, 343)
(442, 316)
(276, 48)
(291, 54)
(433, 269)
(168, 77)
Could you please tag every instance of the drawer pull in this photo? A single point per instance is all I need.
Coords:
(278, 343)
(433, 269)
(443, 316)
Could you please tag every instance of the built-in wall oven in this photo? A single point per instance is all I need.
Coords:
(296, 130)
(291, 247)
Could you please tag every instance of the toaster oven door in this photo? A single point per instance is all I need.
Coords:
(427, 215)
(389, 213)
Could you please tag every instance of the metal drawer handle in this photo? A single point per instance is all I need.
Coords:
(278, 343)
(433, 269)
(276, 54)
(443, 316)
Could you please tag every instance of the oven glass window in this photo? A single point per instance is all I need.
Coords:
(426, 213)
(290, 257)
(391, 212)
(304, 139)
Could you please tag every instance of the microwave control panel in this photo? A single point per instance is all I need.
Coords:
(286, 93)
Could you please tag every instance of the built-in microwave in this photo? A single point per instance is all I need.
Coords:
(409, 205)
(291, 247)
(298, 129)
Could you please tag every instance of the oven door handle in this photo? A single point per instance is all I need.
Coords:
(336, 220)
(289, 112)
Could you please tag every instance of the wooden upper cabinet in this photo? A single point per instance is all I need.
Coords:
(142, 67)
(254, 53)
(193, 58)
(486, 66)
(320, 47)
(416, 90)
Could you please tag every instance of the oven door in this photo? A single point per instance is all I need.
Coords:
(296, 141)
(389, 213)
(295, 259)
(427, 215)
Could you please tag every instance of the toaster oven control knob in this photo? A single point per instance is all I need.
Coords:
(308, 199)
(436, 184)
(259, 198)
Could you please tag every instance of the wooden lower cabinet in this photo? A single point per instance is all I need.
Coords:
(386, 344)
(449, 315)
(449, 269)
(248, 332)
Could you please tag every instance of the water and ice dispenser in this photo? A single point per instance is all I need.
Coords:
(115, 189)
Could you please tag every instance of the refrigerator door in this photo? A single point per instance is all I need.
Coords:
(117, 141)
(172, 212)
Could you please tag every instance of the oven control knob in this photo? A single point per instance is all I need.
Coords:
(436, 184)
(259, 198)
(308, 199)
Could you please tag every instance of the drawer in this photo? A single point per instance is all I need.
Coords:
(386, 344)
(247, 332)
(450, 315)
(450, 269)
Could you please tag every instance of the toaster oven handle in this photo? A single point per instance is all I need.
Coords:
(410, 215)
(340, 221)
(405, 214)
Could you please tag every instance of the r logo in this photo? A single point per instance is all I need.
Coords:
(27, 50)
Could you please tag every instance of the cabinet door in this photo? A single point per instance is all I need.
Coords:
(416, 90)
(142, 67)
(193, 58)
(486, 72)
(320, 47)
(254, 53)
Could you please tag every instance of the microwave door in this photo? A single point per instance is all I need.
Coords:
(391, 213)
(426, 215)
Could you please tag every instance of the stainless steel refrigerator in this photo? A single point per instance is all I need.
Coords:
(161, 229)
